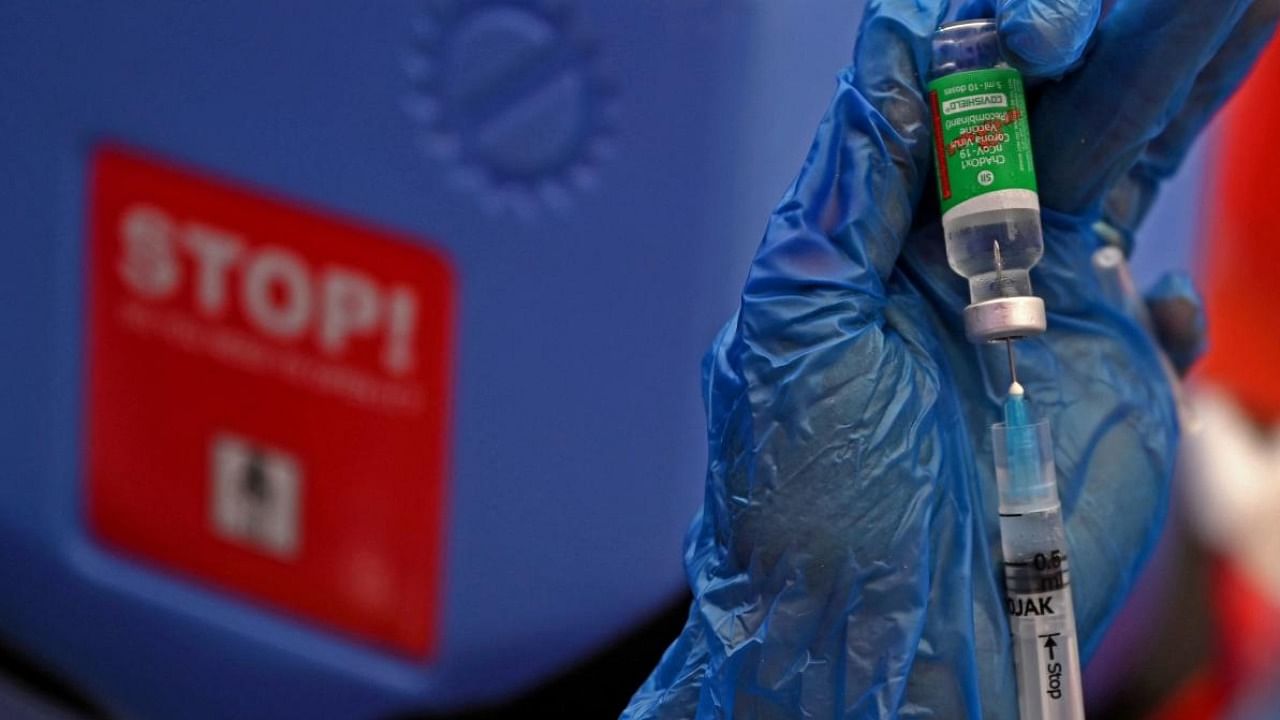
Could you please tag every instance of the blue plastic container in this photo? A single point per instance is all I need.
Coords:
(597, 172)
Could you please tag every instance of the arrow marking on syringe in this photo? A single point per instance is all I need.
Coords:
(1049, 644)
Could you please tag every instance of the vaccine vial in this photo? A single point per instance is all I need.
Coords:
(986, 180)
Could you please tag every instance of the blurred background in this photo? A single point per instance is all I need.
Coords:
(354, 354)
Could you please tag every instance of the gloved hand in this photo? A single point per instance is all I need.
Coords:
(846, 560)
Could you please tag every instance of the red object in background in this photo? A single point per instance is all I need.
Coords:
(1241, 276)
(1247, 629)
(268, 398)
(1203, 696)
(1242, 255)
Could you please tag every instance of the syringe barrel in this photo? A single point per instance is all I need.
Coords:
(986, 179)
(1037, 575)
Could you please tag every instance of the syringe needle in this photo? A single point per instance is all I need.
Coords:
(1013, 367)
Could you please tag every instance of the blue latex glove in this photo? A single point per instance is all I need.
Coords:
(846, 559)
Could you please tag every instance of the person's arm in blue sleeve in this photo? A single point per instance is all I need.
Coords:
(845, 563)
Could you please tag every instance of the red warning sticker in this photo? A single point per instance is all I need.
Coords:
(268, 399)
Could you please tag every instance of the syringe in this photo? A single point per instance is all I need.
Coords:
(1037, 581)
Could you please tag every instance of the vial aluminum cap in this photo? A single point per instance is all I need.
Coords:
(1004, 318)
(965, 45)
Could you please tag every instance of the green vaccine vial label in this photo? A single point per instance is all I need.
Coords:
(982, 140)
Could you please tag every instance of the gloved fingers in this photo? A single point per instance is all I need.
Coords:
(1214, 85)
(973, 9)
(1114, 432)
(1118, 502)
(1178, 319)
(1042, 38)
(1092, 127)
(833, 240)
(1129, 201)
(1045, 38)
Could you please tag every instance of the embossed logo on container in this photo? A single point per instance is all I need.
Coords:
(508, 100)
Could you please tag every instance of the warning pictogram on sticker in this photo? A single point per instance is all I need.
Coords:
(254, 495)
(268, 399)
